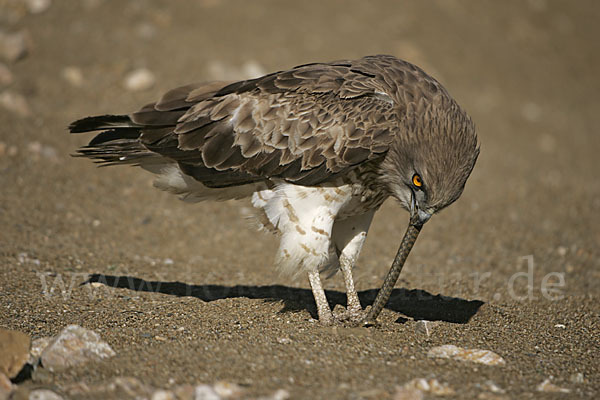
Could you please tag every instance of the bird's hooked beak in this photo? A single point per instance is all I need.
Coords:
(417, 216)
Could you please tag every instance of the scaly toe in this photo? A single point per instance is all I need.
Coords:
(349, 316)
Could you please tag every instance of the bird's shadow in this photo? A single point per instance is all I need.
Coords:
(416, 304)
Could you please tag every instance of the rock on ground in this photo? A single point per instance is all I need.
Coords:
(38, 6)
(15, 103)
(73, 75)
(75, 345)
(44, 394)
(13, 46)
(458, 353)
(550, 387)
(140, 79)
(37, 347)
(416, 389)
(14, 351)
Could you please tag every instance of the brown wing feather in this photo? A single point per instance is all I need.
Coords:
(305, 125)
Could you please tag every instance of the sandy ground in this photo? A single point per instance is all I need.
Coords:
(196, 297)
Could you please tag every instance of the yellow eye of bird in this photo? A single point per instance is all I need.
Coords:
(417, 180)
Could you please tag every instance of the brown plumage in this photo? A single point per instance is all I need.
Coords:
(369, 125)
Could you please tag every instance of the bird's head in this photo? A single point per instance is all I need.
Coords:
(428, 165)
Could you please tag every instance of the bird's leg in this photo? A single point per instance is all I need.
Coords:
(323, 310)
(349, 235)
(353, 307)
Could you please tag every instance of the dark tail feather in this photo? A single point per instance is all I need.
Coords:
(115, 134)
(118, 143)
(100, 122)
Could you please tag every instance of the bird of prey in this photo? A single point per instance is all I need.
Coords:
(318, 149)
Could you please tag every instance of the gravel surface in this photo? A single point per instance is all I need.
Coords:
(186, 295)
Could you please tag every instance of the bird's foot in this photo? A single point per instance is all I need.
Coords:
(350, 316)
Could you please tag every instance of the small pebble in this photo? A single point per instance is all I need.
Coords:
(227, 389)
(577, 378)
(432, 386)
(458, 353)
(140, 79)
(73, 75)
(184, 392)
(205, 392)
(252, 69)
(13, 46)
(492, 387)
(549, 387)
(15, 103)
(38, 6)
(38, 149)
(222, 71)
(280, 394)
(44, 394)
(163, 395)
(423, 327)
(562, 251)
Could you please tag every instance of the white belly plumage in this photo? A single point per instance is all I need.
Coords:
(316, 223)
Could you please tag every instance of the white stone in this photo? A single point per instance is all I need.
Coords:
(44, 394)
(73, 75)
(163, 395)
(424, 327)
(493, 387)
(280, 394)
(577, 378)
(38, 6)
(205, 392)
(432, 386)
(140, 79)
(227, 390)
(14, 102)
(75, 345)
(549, 387)
(458, 353)
(252, 69)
